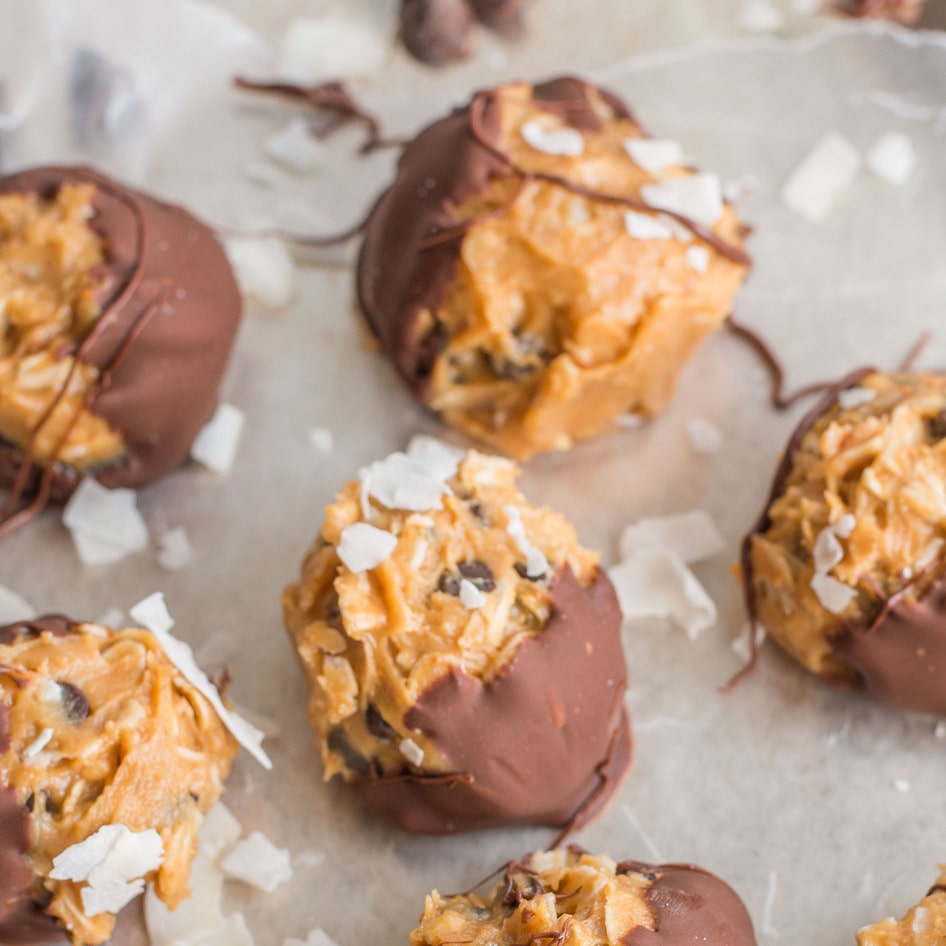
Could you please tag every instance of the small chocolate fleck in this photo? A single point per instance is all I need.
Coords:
(75, 703)
(522, 572)
(449, 584)
(30, 802)
(937, 426)
(377, 725)
(338, 742)
(478, 573)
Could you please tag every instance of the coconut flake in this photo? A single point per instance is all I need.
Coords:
(827, 551)
(322, 439)
(901, 785)
(705, 437)
(263, 268)
(654, 583)
(855, 397)
(759, 16)
(654, 154)
(175, 550)
(834, 595)
(152, 612)
(698, 197)
(105, 523)
(567, 142)
(364, 546)
(470, 596)
(939, 730)
(414, 481)
(844, 526)
(828, 169)
(258, 862)
(646, 226)
(536, 562)
(690, 536)
(351, 39)
(412, 752)
(295, 147)
(37, 745)
(219, 830)
(14, 607)
(698, 257)
(892, 158)
(216, 445)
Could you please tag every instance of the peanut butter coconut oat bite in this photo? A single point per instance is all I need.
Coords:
(109, 759)
(117, 315)
(574, 898)
(462, 648)
(846, 567)
(539, 266)
(923, 925)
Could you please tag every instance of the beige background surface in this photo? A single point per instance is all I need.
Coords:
(784, 788)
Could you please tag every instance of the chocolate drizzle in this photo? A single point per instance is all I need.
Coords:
(412, 237)
(161, 342)
(546, 742)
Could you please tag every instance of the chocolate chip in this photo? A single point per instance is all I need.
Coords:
(936, 426)
(377, 725)
(30, 802)
(449, 584)
(522, 572)
(436, 31)
(478, 573)
(338, 742)
(75, 704)
(477, 511)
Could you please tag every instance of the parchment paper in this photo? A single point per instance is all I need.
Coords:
(784, 788)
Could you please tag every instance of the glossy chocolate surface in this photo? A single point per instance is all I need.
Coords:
(546, 742)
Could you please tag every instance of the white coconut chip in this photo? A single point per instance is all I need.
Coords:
(844, 526)
(828, 169)
(690, 536)
(654, 154)
(258, 862)
(655, 583)
(316, 937)
(216, 444)
(892, 158)
(827, 551)
(698, 257)
(111, 862)
(567, 142)
(351, 39)
(174, 549)
(14, 607)
(901, 785)
(105, 523)
(412, 752)
(219, 830)
(646, 226)
(939, 730)
(37, 745)
(759, 16)
(295, 147)
(470, 596)
(705, 437)
(364, 546)
(153, 614)
(855, 397)
(698, 197)
(322, 439)
(834, 595)
(263, 268)
(536, 562)
(414, 481)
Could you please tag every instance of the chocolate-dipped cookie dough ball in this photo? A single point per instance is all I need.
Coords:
(102, 742)
(117, 318)
(846, 567)
(923, 925)
(586, 900)
(462, 648)
(539, 266)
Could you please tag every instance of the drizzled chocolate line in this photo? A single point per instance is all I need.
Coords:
(483, 100)
(332, 97)
(9, 519)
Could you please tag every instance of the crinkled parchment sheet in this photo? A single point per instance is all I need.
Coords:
(784, 787)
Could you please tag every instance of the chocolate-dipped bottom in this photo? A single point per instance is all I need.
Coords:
(169, 316)
(895, 650)
(546, 742)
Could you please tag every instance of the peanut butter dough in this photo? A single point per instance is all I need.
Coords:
(844, 570)
(923, 925)
(459, 604)
(523, 277)
(97, 727)
(574, 898)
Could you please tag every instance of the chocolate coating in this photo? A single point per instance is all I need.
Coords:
(22, 920)
(162, 343)
(513, 764)
(899, 657)
(436, 31)
(691, 906)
